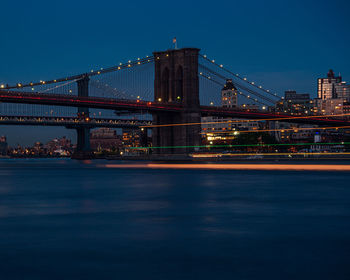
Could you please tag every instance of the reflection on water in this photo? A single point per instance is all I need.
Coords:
(62, 219)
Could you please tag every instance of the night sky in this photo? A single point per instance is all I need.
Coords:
(279, 44)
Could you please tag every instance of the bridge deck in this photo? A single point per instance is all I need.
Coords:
(147, 106)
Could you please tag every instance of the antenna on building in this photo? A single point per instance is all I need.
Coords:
(175, 43)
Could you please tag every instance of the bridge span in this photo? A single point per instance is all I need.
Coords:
(152, 107)
(169, 91)
(73, 122)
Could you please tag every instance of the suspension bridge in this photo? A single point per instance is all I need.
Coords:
(166, 92)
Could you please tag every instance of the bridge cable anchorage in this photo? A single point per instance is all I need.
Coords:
(238, 84)
(129, 64)
(240, 92)
(275, 95)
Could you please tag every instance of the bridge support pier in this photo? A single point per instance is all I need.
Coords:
(176, 82)
(83, 144)
(144, 137)
(83, 139)
(83, 150)
(175, 139)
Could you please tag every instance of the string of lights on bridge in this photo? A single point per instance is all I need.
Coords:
(239, 92)
(239, 76)
(241, 86)
(120, 66)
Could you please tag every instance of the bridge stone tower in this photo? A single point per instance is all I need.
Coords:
(176, 82)
(83, 133)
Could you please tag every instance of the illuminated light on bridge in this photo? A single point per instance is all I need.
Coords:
(72, 121)
(238, 76)
(142, 61)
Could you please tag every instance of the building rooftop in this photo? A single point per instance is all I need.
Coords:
(229, 85)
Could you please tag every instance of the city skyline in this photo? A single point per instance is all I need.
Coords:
(57, 132)
(281, 46)
(175, 139)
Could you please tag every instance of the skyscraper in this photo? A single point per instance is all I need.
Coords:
(332, 87)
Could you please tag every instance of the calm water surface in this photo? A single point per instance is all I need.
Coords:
(62, 219)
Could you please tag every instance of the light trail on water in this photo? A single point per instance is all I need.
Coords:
(243, 145)
(234, 166)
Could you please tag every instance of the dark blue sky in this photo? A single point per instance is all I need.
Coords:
(280, 44)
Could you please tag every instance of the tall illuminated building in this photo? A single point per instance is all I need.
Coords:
(229, 95)
(332, 87)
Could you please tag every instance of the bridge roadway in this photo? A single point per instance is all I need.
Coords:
(147, 106)
(72, 122)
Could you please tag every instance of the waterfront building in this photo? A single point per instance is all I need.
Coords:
(131, 137)
(295, 103)
(334, 106)
(59, 144)
(105, 139)
(293, 132)
(3, 145)
(216, 129)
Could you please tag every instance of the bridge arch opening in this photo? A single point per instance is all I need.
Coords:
(164, 95)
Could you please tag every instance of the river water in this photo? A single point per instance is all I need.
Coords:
(63, 219)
